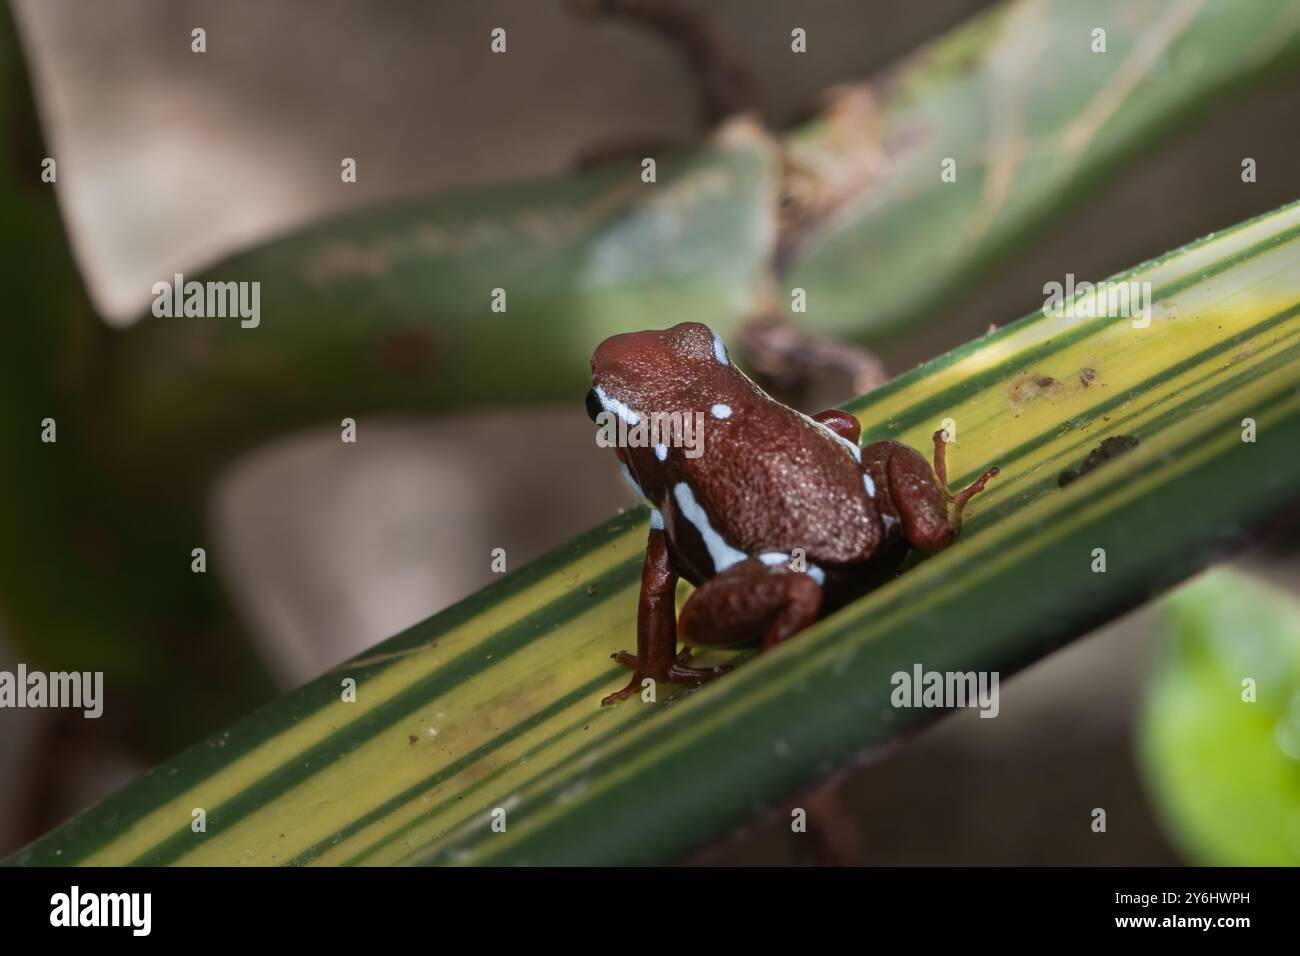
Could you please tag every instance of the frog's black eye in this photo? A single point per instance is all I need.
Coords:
(594, 407)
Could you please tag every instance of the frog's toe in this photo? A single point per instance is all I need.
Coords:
(633, 687)
(681, 674)
(624, 658)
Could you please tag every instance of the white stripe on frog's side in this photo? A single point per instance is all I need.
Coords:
(775, 558)
(720, 350)
(615, 407)
(854, 450)
(869, 484)
(661, 452)
(721, 411)
(721, 554)
(656, 516)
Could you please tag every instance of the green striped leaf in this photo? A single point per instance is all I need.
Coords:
(493, 704)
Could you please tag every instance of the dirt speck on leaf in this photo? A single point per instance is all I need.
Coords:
(1032, 385)
(1110, 449)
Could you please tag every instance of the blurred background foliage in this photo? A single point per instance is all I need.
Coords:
(1220, 726)
(168, 161)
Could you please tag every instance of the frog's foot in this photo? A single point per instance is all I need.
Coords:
(958, 500)
(678, 673)
(633, 687)
(629, 660)
(681, 674)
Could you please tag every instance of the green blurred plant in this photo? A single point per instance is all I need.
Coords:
(1220, 730)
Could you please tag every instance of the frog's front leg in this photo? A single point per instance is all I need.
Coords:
(656, 626)
(930, 512)
(750, 601)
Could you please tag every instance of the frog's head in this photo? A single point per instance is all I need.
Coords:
(660, 371)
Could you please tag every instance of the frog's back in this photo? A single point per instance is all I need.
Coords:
(771, 480)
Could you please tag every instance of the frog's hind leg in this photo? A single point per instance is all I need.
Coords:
(748, 602)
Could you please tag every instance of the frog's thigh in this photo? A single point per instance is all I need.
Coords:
(748, 602)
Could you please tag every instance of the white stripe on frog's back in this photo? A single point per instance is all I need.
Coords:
(849, 446)
(721, 554)
(719, 350)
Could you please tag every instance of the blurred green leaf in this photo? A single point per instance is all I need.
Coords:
(392, 308)
(1224, 770)
(92, 577)
(1033, 118)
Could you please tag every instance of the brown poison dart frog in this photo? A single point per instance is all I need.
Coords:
(776, 517)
